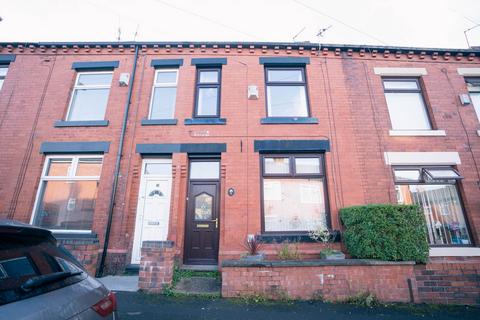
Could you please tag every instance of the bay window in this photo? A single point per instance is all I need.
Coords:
(67, 193)
(435, 190)
(294, 196)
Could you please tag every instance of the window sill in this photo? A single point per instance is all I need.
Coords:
(90, 123)
(455, 252)
(289, 120)
(417, 133)
(300, 237)
(206, 121)
(158, 122)
(478, 133)
(75, 238)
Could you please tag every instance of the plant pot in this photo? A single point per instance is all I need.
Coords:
(255, 258)
(332, 255)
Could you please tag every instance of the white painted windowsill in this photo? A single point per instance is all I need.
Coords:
(455, 252)
(419, 133)
(478, 133)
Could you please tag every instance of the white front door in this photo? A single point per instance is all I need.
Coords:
(153, 209)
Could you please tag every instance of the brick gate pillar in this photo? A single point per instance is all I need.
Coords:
(156, 265)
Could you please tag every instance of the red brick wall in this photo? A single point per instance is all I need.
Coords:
(156, 265)
(443, 281)
(85, 251)
(449, 280)
(344, 95)
(333, 283)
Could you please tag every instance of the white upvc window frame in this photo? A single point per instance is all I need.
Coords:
(76, 87)
(3, 77)
(162, 85)
(70, 177)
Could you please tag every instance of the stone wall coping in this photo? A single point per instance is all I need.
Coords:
(78, 242)
(158, 244)
(314, 263)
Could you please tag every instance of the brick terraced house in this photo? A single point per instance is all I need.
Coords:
(203, 144)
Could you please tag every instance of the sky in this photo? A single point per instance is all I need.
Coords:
(411, 23)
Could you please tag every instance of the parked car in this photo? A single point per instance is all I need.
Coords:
(41, 280)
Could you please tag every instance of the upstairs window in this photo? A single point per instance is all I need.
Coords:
(68, 192)
(3, 74)
(286, 92)
(164, 94)
(294, 196)
(90, 96)
(473, 86)
(406, 105)
(207, 99)
(435, 190)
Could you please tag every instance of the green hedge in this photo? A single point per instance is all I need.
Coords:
(385, 232)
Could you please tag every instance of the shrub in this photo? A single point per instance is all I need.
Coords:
(386, 232)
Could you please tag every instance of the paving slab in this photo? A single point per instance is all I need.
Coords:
(120, 283)
(198, 285)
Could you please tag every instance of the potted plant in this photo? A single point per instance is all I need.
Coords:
(325, 236)
(253, 245)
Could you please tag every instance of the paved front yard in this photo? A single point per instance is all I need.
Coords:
(139, 306)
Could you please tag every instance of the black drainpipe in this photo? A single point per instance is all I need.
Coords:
(117, 167)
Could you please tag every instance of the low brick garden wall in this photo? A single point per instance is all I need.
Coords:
(333, 280)
(452, 280)
(156, 265)
(84, 250)
(444, 280)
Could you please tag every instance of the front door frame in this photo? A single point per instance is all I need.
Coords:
(216, 213)
(141, 204)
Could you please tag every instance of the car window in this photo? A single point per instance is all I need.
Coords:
(23, 258)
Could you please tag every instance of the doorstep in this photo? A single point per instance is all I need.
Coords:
(200, 267)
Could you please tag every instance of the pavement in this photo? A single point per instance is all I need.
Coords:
(120, 283)
(142, 306)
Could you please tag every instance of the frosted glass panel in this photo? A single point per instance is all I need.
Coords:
(205, 170)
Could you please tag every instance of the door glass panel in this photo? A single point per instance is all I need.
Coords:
(158, 168)
(307, 165)
(203, 207)
(205, 170)
(277, 165)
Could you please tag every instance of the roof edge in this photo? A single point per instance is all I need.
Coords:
(268, 45)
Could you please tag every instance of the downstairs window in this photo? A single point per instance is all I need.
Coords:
(435, 190)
